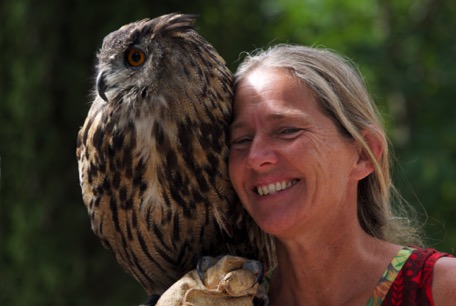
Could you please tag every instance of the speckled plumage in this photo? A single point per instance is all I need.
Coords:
(153, 150)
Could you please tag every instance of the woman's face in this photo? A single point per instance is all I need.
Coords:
(289, 164)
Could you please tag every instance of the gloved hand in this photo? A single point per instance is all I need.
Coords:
(228, 281)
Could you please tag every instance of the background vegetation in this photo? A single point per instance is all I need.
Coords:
(48, 254)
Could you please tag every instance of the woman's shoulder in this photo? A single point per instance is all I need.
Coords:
(444, 281)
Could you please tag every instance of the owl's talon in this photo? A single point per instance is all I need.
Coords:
(256, 267)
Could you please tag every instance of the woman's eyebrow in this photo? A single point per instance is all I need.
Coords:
(288, 115)
(237, 125)
(275, 117)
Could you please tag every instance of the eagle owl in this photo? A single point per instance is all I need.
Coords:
(152, 154)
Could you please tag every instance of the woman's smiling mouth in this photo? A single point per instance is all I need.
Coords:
(275, 187)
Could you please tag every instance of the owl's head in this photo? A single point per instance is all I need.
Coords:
(161, 56)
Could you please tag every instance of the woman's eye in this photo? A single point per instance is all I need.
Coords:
(240, 141)
(287, 131)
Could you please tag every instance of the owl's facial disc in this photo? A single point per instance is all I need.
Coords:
(116, 72)
(101, 85)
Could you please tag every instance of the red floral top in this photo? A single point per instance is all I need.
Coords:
(412, 285)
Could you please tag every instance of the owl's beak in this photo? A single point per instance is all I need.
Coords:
(101, 85)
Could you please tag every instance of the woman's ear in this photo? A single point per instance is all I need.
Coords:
(376, 144)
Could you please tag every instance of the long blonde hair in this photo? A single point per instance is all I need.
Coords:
(342, 95)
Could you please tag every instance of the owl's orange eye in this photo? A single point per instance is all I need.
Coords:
(135, 57)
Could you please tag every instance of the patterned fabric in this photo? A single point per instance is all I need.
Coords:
(412, 285)
(389, 276)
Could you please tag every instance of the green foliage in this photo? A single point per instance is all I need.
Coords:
(49, 256)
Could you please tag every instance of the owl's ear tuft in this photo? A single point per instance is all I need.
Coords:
(174, 24)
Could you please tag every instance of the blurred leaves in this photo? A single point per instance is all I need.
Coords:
(49, 256)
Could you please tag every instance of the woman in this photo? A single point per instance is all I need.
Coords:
(309, 160)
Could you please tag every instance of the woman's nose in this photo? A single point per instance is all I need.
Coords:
(261, 154)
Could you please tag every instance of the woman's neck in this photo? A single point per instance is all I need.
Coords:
(343, 270)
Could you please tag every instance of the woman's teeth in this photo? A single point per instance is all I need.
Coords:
(275, 187)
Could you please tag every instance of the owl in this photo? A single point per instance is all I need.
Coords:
(152, 154)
